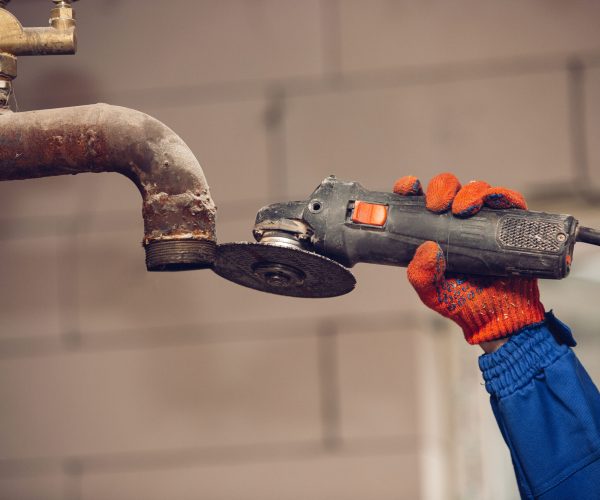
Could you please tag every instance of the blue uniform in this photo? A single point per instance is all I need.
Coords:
(548, 410)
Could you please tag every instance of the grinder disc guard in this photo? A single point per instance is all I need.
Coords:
(282, 270)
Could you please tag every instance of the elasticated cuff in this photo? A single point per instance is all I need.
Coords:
(526, 354)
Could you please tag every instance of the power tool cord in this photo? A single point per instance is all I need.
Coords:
(588, 235)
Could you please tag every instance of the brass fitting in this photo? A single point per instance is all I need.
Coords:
(8, 66)
(59, 38)
(5, 91)
(15, 40)
(62, 16)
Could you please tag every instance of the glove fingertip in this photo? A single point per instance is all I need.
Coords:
(469, 199)
(408, 185)
(441, 192)
(427, 267)
(502, 198)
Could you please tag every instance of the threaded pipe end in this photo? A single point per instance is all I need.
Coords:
(180, 255)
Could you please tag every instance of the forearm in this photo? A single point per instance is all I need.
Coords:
(548, 411)
(492, 346)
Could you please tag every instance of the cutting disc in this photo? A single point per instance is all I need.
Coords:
(282, 270)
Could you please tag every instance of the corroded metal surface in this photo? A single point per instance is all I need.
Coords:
(101, 138)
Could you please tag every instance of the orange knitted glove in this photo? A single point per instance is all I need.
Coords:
(485, 308)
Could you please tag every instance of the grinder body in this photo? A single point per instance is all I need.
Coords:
(350, 224)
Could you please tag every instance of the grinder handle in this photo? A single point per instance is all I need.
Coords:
(491, 243)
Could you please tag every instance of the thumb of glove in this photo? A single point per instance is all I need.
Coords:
(485, 308)
(426, 272)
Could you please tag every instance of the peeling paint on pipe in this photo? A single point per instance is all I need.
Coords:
(178, 211)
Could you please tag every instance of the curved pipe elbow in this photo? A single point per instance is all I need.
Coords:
(178, 211)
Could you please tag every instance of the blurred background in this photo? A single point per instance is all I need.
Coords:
(116, 383)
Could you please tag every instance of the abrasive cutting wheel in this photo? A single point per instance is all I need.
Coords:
(282, 270)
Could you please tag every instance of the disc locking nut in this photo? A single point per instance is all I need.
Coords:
(62, 15)
(279, 275)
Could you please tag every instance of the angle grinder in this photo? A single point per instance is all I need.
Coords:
(304, 248)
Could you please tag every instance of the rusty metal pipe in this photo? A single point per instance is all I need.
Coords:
(179, 214)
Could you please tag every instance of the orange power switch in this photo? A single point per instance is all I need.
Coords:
(369, 213)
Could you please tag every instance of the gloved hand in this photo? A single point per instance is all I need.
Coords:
(486, 308)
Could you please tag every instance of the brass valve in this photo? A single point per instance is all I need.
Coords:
(59, 38)
(15, 40)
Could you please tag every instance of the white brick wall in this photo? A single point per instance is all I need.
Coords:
(513, 126)
(592, 121)
(321, 478)
(380, 34)
(30, 311)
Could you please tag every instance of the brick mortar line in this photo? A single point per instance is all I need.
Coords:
(371, 79)
(182, 335)
(165, 459)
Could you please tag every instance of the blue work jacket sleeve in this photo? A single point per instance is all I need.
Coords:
(548, 411)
